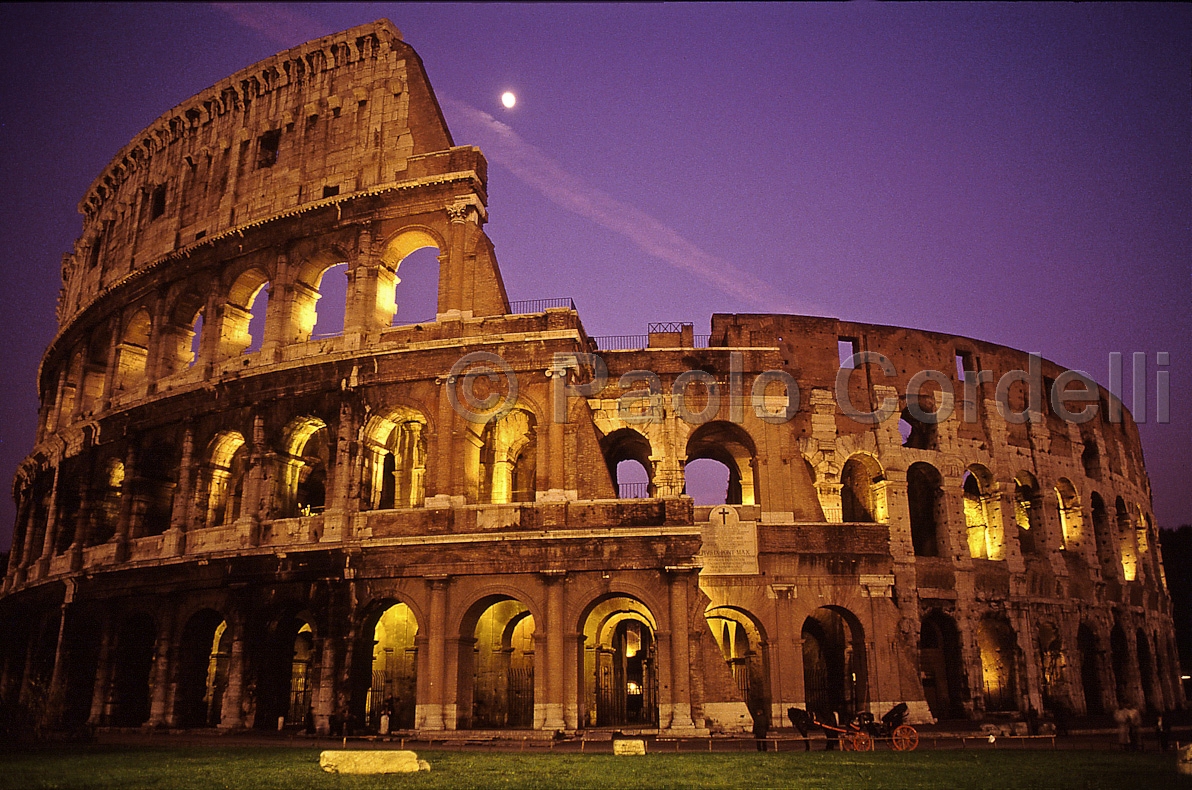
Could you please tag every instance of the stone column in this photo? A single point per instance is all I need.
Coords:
(159, 711)
(113, 368)
(324, 702)
(231, 716)
(555, 583)
(103, 673)
(786, 655)
(341, 491)
(57, 692)
(680, 654)
(175, 537)
(436, 653)
(452, 275)
(249, 523)
(444, 459)
(55, 416)
(573, 680)
(51, 533)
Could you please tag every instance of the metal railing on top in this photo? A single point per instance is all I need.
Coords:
(523, 306)
(621, 342)
(634, 342)
(667, 326)
(633, 490)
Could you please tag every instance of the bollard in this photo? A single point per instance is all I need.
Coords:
(1184, 762)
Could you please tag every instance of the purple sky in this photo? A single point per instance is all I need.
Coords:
(1016, 173)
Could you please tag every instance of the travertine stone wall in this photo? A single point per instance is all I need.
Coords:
(197, 494)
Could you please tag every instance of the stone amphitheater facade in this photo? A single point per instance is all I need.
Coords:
(221, 530)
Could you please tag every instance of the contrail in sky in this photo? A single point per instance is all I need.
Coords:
(283, 25)
(536, 168)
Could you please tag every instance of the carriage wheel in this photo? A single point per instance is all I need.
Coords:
(904, 738)
(862, 742)
(848, 742)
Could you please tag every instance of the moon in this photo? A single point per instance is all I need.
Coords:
(508, 99)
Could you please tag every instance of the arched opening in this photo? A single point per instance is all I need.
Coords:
(1071, 520)
(1090, 459)
(862, 490)
(71, 484)
(941, 666)
(834, 666)
(132, 660)
(242, 329)
(94, 370)
(227, 459)
(132, 353)
(1028, 514)
(111, 495)
(324, 303)
(1103, 536)
(744, 648)
(394, 670)
(708, 482)
(204, 654)
(1119, 650)
(408, 280)
(620, 664)
(180, 338)
(416, 293)
(395, 460)
(731, 446)
(155, 484)
(1127, 545)
(982, 515)
(1146, 671)
(70, 394)
(285, 682)
(916, 434)
(496, 666)
(1052, 667)
(306, 461)
(1090, 670)
(924, 493)
(998, 645)
(627, 455)
(509, 459)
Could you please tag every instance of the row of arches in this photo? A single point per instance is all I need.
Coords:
(496, 688)
(1084, 679)
(314, 299)
(720, 465)
(496, 684)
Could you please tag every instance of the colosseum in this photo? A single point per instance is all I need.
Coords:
(232, 521)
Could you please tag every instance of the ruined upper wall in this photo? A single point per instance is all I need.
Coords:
(335, 116)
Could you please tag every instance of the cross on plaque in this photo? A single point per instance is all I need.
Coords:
(724, 513)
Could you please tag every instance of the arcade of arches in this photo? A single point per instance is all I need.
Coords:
(259, 495)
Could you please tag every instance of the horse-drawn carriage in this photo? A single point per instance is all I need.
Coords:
(861, 732)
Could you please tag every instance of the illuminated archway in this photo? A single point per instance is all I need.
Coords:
(999, 676)
(835, 674)
(204, 654)
(745, 650)
(619, 664)
(941, 666)
(496, 665)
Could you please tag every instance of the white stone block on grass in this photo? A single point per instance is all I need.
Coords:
(378, 761)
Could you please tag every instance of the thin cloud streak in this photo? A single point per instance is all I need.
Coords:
(537, 169)
(282, 25)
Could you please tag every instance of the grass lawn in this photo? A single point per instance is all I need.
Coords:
(259, 768)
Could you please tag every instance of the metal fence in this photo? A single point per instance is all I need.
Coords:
(621, 342)
(633, 490)
(524, 306)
